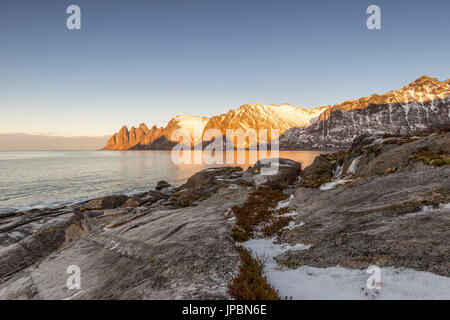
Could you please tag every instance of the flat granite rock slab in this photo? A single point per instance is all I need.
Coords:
(184, 253)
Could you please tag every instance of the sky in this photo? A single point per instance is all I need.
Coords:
(147, 61)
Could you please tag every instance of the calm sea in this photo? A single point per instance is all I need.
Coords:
(38, 179)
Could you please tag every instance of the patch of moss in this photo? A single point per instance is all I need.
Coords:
(399, 141)
(291, 264)
(440, 162)
(316, 183)
(391, 170)
(396, 135)
(430, 158)
(250, 284)
(239, 234)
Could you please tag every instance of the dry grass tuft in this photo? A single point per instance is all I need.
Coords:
(259, 211)
(250, 284)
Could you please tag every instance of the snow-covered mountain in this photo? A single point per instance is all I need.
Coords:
(250, 116)
(258, 116)
(423, 105)
(420, 106)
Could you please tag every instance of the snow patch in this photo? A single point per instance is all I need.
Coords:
(335, 283)
(441, 206)
(293, 225)
(284, 203)
(332, 184)
(340, 283)
(290, 214)
(74, 295)
(337, 172)
(267, 248)
(353, 165)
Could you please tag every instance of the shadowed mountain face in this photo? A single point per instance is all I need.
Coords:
(423, 105)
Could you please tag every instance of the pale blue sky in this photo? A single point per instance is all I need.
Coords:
(148, 61)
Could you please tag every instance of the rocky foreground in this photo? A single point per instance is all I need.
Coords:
(385, 201)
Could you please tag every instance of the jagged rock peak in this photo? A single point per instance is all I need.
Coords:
(143, 126)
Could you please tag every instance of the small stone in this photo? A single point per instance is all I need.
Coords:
(162, 184)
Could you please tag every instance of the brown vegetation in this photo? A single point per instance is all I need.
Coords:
(259, 211)
(250, 284)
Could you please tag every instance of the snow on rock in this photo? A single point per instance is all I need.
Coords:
(193, 125)
(290, 214)
(442, 208)
(337, 172)
(284, 203)
(336, 283)
(332, 184)
(293, 225)
(267, 248)
(295, 115)
(426, 209)
(352, 168)
(340, 283)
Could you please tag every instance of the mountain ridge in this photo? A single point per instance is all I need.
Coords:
(422, 104)
(248, 116)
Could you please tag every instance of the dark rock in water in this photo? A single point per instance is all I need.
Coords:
(161, 185)
(109, 202)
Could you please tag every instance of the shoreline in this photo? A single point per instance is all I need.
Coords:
(180, 242)
(17, 197)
